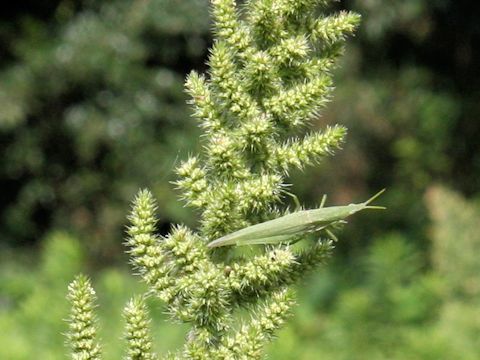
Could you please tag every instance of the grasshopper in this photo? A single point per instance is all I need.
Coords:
(291, 227)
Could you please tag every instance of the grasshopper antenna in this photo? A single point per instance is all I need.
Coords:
(373, 198)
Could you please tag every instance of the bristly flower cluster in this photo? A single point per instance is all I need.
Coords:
(82, 331)
(270, 74)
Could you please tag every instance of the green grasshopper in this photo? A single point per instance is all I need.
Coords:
(292, 227)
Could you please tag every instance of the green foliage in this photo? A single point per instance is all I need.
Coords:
(409, 103)
(407, 92)
(456, 241)
(97, 88)
(389, 303)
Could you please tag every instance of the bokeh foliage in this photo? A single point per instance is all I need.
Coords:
(389, 303)
(92, 108)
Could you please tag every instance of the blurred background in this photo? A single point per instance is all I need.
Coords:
(92, 108)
